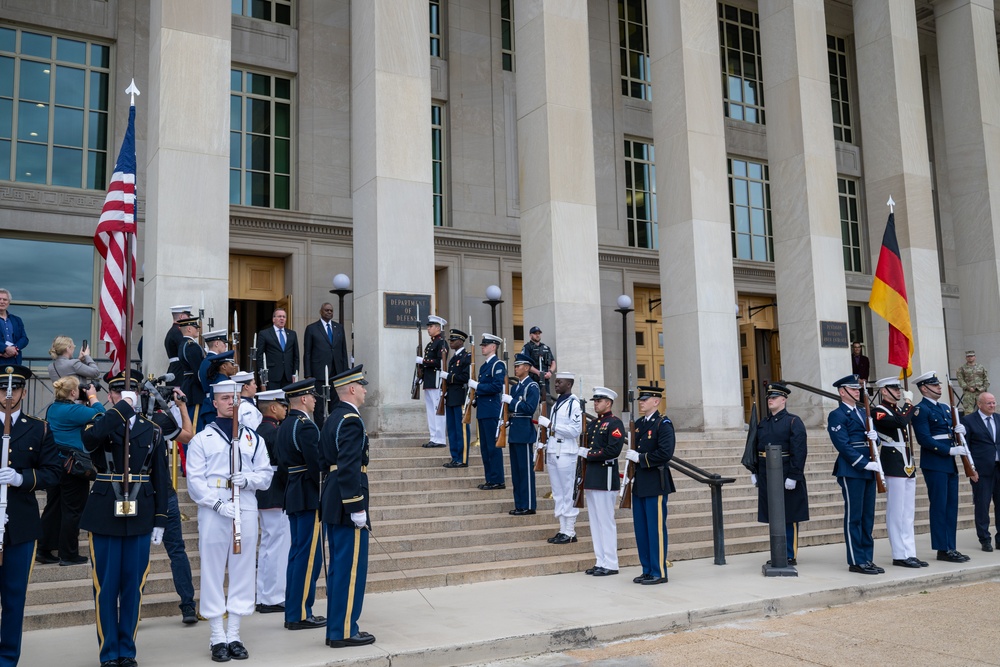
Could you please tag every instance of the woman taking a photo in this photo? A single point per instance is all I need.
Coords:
(64, 365)
(64, 503)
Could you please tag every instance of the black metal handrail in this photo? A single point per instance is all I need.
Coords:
(716, 482)
(807, 387)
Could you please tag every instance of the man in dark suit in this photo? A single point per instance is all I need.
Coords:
(981, 436)
(860, 364)
(324, 355)
(278, 351)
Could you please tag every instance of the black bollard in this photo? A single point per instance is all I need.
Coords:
(778, 565)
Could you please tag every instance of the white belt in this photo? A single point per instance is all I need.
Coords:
(943, 436)
(172, 360)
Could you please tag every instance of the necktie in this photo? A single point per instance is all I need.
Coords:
(329, 333)
(860, 415)
(281, 339)
(989, 424)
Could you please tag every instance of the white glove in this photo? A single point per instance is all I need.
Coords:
(443, 375)
(420, 360)
(507, 398)
(582, 452)
(157, 537)
(473, 384)
(873, 466)
(959, 429)
(539, 446)
(872, 435)
(130, 396)
(543, 421)
(908, 396)
(11, 476)
(226, 509)
(239, 479)
(958, 451)
(790, 484)
(360, 519)
(753, 479)
(632, 455)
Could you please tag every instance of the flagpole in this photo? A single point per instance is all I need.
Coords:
(132, 91)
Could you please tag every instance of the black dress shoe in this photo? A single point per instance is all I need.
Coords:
(492, 487)
(922, 563)
(109, 663)
(591, 570)
(270, 608)
(427, 444)
(127, 662)
(73, 560)
(45, 558)
(188, 617)
(905, 562)
(641, 578)
(220, 652)
(603, 572)
(237, 651)
(877, 568)
(864, 568)
(455, 464)
(307, 623)
(483, 486)
(987, 546)
(434, 445)
(555, 537)
(652, 581)
(964, 558)
(360, 639)
(562, 538)
(521, 512)
(951, 556)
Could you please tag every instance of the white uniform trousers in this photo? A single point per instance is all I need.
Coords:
(603, 529)
(562, 474)
(900, 495)
(437, 425)
(215, 546)
(272, 559)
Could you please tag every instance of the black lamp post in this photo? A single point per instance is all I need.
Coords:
(624, 307)
(341, 287)
(493, 299)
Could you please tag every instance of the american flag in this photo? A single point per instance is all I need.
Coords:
(117, 220)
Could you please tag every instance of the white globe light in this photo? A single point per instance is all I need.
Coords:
(493, 293)
(341, 281)
(624, 302)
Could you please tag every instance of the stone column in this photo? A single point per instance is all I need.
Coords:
(696, 265)
(391, 181)
(808, 251)
(891, 111)
(555, 142)
(970, 92)
(186, 105)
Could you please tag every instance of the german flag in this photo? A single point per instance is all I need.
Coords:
(888, 299)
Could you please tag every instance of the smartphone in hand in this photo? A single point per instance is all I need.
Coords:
(85, 348)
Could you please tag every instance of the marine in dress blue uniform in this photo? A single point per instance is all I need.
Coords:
(432, 363)
(489, 390)
(298, 451)
(32, 465)
(344, 449)
(119, 544)
(459, 367)
(651, 483)
(855, 473)
(936, 435)
(780, 427)
(524, 397)
(605, 436)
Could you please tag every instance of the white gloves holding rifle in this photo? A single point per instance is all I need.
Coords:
(582, 452)
(11, 476)
(225, 509)
(632, 455)
(157, 537)
(959, 429)
(790, 484)
(543, 421)
(873, 466)
(239, 480)
(958, 451)
(473, 384)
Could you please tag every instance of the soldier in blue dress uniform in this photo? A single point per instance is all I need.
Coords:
(489, 392)
(936, 435)
(459, 434)
(344, 448)
(523, 398)
(191, 355)
(32, 465)
(855, 472)
(651, 483)
(298, 451)
(122, 526)
(781, 427)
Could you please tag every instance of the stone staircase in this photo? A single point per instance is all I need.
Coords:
(433, 527)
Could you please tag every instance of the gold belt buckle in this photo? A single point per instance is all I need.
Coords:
(126, 508)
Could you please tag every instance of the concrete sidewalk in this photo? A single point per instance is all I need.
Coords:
(479, 623)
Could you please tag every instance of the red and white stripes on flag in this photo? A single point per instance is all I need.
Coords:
(116, 228)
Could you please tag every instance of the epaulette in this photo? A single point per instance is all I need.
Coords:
(666, 419)
(37, 419)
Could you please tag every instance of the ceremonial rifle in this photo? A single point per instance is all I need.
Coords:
(873, 450)
(581, 463)
(470, 397)
(626, 491)
(543, 438)
(502, 426)
(967, 464)
(235, 460)
(444, 382)
(418, 370)
(8, 406)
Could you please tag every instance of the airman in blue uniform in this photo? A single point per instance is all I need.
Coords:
(489, 392)
(523, 398)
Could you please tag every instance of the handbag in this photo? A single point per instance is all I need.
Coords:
(78, 463)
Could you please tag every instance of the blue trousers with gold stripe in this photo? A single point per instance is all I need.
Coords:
(792, 538)
(459, 434)
(119, 566)
(304, 565)
(345, 583)
(14, 574)
(522, 474)
(650, 518)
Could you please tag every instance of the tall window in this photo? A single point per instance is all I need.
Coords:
(260, 140)
(839, 93)
(507, 34)
(276, 11)
(435, 27)
(640, 194)
(742, 78)
(52, 303)
(53, 110)
(437, 162)
(850, 227)
(633, 41)
(750, 210)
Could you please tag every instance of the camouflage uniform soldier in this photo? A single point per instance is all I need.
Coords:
(973, 380)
